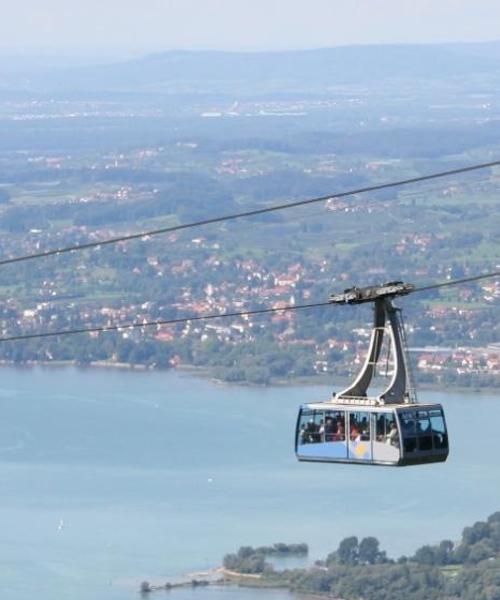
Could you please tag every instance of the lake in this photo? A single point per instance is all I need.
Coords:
(111, 477)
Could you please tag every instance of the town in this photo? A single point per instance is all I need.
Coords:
(181, 165)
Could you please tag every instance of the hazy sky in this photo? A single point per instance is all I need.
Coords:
(135, 26)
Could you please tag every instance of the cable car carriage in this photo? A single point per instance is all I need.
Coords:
(389, 428)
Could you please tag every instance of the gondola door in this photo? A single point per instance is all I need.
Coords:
(360, 437)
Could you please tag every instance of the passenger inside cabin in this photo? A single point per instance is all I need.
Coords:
(329, 429)
(393, 436)
(340, 431)
(381, 428)
(312, 432)
(409, 427)
(365, 429)
(355, 431)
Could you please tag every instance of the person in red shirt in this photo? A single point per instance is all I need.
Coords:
(355, 432)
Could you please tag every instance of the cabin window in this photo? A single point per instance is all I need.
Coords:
(408, 419)
(438, 429)
(386, 428)
(334, 426)
(311, 427)
(424, 431)
(359, 426)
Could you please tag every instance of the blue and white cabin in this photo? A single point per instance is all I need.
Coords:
(396, 435)
(389, 428)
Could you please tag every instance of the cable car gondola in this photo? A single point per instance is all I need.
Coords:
(390, 428)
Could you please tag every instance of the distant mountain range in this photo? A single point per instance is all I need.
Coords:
(214, 71)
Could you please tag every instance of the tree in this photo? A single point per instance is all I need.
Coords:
(444, 553)
(255, 563)
(425, 555)
(230, 561)
(347, 553)
(476, 533)
(257, 375)
(247, 560)
(481, 551)
(369, 552)
(245, 552)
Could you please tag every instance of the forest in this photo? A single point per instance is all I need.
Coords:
(468, 569)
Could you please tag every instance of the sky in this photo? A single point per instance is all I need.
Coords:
(133, 27)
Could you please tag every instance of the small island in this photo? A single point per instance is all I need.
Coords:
(359, 569)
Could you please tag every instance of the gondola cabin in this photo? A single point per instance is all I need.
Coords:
(397, 435)
(389, 428)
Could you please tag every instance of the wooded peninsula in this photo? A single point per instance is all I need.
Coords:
(359, 569)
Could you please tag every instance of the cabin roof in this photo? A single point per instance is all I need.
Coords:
(332, 405)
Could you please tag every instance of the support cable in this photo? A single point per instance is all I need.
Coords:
(288, 308)
(125, 326)
(248, 213)
(436, 286)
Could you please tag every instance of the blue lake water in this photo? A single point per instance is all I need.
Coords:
(108, 478)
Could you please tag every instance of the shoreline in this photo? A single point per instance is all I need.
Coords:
(216, 576)
(205, 373)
